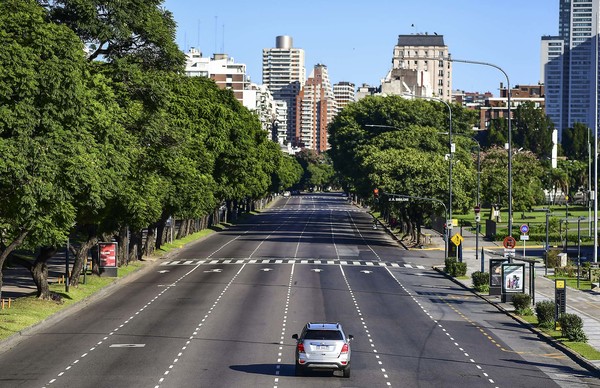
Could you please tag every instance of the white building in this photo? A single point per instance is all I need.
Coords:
(283, 72)
(220, 68)
(344, 93)
(419, 68)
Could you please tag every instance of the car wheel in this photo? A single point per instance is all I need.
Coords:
(299, 371)
(347, 372)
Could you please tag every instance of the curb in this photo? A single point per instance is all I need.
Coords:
(576, 357)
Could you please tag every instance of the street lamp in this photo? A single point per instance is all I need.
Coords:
(510, 212)
(478, 189)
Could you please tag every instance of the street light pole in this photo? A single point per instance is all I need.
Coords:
(510, 211)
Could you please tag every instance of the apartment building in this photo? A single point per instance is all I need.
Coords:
(316, 108)
(419, 68)
(344, 93)
(284, 74)
(220, 68)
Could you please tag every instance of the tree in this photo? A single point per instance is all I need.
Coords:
(526, 175)
(533, 130)
(140, 30)
(288, 173)
(45, 145)
(575, 142)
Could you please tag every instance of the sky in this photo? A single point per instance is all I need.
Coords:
(355, 39)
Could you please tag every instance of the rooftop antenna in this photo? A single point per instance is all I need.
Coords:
(216, 21)
(223, 40)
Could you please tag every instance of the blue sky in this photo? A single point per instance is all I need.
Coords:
(356, 38)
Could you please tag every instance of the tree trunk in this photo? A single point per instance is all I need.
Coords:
(150, 241)
(8, 250)
(81, 256)
(39, 272)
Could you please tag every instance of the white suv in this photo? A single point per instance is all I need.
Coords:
(323, 346)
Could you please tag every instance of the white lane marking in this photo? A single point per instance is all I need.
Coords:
(439, 325)
(200, 324)
(283, 328)
(137, 313)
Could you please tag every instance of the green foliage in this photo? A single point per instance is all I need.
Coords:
(532, 129)
(575, 142)
(142, 31)
(545, 313)
(454, 268)
(481, 281)
(572, 327)
(522, 303)
(526, 172)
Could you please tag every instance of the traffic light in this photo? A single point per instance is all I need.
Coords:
(376, 192)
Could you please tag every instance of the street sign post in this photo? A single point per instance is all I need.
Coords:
(524, 236)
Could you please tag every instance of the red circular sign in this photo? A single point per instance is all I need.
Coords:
(509, 242)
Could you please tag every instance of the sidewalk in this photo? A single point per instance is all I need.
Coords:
(586, 304)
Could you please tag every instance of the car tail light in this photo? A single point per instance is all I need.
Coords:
(344, 349)
(300, 347)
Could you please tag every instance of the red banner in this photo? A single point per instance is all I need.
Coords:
(108, 254)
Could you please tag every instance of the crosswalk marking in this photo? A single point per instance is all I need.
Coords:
(364, 263)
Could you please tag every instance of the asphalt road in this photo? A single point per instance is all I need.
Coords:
(222, 314)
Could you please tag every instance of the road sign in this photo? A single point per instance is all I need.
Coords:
(509, 242)
(457, 239)
(477, 209)
(524, 237)
(524, 228)
(477, 217)
(508, 253)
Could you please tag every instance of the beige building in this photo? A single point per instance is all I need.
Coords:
(419, 68)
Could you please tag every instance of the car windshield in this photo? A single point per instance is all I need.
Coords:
(323, 335)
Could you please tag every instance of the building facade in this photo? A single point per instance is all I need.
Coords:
(344, 93)
(220, 68)
(419, 68)
(284, 74)
(570, 65)
(316, 108)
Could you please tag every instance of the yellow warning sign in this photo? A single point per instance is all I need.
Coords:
(457, 239)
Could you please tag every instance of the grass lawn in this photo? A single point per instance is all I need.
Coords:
(572, 282)
(584, 349)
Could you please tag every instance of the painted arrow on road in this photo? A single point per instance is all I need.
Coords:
(266, 269)
(366, 271)
(317, 270)
(214, 270)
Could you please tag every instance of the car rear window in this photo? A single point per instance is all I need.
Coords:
(332, 335)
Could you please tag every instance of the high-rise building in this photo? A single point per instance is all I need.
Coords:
(220, 68)
(344, 93)
(419, 68)
(316, 108)
(283, 72)
(569, 65)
